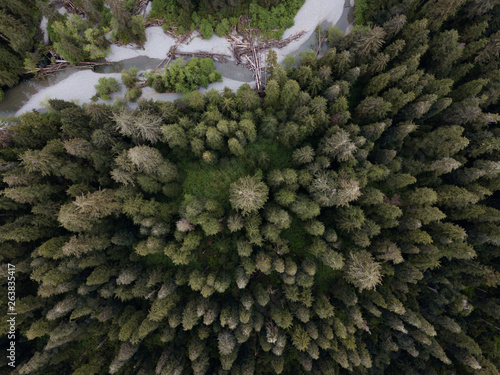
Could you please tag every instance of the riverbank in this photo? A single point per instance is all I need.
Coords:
(79, 85)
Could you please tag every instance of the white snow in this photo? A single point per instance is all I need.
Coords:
(215, 44)
(43, 27)
(157, 46)
(312, 13)
(150, 93)
(78, 87)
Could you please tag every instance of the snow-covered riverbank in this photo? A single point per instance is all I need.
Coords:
(79, 86)
(311, 14)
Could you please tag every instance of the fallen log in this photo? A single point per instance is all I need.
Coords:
(64, 65)
(169, 57)
(157, 22)
(214, 56)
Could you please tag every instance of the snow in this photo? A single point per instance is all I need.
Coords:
(78, 87)
(150, 93)
(86, 80)
(157, 46)
(215, 44)
(226, 82)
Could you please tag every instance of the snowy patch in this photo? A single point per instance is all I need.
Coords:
(215, 44)
(157, 46)
(226, 82)
(85, 81)
(150, 93)
(78, 87)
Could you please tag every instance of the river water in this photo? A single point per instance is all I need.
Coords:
(71, 84)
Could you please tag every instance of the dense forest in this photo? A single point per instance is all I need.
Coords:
(345, 220)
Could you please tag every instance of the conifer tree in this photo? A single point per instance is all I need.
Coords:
(248, 194)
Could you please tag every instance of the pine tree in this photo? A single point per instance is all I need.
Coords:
(248, 194)
(141, 127)
(362, 270)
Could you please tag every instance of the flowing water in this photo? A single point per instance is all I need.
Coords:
(28, 94)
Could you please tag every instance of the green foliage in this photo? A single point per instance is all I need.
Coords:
(182, 76)
(126, 27)
(361, 8)
(129, 77)
(212, 181)
(17, 26)
(223, 27)
(275, 20)
(206, 29)
(78, 40)
(271, 17)
(106, 87)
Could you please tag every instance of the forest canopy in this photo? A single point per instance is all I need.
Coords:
(346, 220)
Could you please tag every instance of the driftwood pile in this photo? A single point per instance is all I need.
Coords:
(247, 52)
(156, 22)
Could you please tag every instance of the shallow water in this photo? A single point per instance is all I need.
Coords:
(17, 96)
